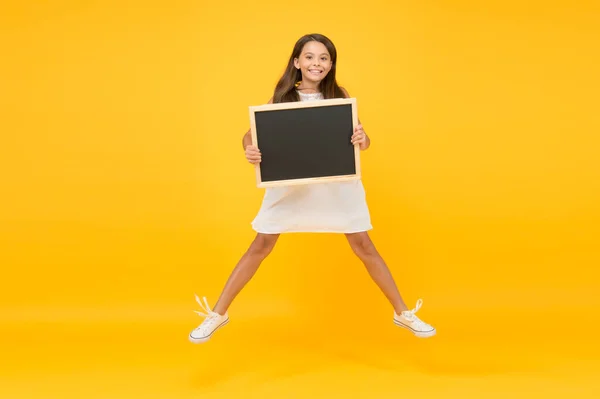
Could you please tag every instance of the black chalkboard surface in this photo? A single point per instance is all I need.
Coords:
(305, 142)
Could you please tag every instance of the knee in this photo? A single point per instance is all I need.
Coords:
(362, 245)
(263, 245)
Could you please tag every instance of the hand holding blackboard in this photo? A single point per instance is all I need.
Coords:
(253, 154)
(305, 142)
(360, 137)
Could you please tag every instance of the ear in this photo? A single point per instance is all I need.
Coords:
(296, 63)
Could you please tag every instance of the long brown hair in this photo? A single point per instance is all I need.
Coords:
(285, 91)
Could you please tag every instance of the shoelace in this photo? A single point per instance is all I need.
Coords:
(209, 315)
(410, 314)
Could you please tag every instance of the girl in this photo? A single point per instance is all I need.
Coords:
(334, 207)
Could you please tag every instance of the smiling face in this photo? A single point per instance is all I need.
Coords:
(314, 62)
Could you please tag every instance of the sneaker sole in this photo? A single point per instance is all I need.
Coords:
(419, 334)
(201, 340)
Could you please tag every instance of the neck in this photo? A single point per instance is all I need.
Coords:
(308, 86)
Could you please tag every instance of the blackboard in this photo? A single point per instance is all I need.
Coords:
(305, 142)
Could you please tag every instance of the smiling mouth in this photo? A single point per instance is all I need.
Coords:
(315, 71)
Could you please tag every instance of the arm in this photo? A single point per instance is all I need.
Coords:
(247, 139)
(359, 135)
(252, 153)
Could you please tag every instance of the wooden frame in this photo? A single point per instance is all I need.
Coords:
(300, 105)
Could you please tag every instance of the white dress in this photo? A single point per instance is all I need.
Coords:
(332, 207)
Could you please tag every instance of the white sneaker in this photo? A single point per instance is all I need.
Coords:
(212, 323)
(411, 322)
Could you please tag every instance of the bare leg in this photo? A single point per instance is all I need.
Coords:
(260, 248)
(364, 248)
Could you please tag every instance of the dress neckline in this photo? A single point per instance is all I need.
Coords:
(309, 94)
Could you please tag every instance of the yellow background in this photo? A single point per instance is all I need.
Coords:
(125, 191)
